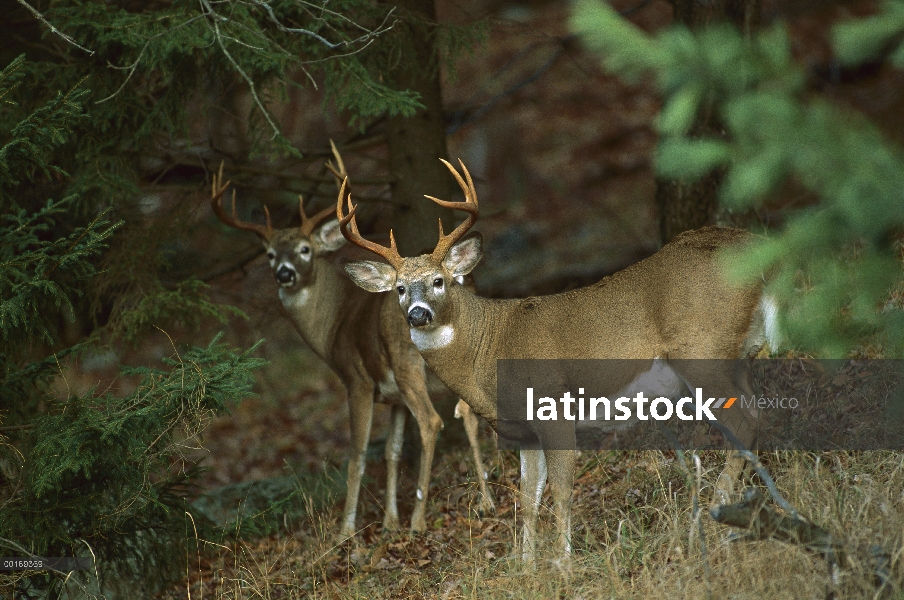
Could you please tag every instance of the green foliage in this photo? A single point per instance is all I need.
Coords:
(833, 265)
(93, 473)
(856, 42)
(101, 472)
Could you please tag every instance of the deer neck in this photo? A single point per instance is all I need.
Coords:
(462, 350)
(314, 309)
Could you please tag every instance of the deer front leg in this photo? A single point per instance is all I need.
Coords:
(429, 423)
(561, 486)
(361, 410)
(533, 480)
(469, 419)
(393, 454)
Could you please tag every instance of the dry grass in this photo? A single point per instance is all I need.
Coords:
(633, 537)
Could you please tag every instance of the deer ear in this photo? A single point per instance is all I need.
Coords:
(330, 236)
(371, 276)
(464, 256)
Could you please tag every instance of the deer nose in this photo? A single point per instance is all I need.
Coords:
(285, 275)
(419, 316)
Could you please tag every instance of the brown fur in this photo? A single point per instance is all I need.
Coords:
(676, 304)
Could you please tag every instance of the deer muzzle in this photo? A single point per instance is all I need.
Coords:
(285, 275)
(419, 316)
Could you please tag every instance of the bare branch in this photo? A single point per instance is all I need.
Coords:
(41, 18)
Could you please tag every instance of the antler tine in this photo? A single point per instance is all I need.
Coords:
(341, 172)
(308, 224)
(391, 254)
(216, 202)
(469, 206)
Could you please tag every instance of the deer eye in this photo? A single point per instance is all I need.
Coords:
(304, 249)
(271, 255)
(438, 283)
(401, 290)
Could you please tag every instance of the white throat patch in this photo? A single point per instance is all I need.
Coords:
(296, 300)
(431, 340)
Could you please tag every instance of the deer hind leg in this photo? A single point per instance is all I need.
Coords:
(533, 480)
(393, 455)
(361, 410)
(727, 379)
(469, 419)
(742, 422)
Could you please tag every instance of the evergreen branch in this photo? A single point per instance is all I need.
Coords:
(75, 242)
(41, 18)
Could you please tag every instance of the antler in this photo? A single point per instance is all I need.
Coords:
(469, 206)
(341, 173)
(308, 224)
(391, 254)
(216, 201)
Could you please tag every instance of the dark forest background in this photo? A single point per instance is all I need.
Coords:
(132, 322)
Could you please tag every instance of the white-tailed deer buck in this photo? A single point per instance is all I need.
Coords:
(674, 305)
(364, 340)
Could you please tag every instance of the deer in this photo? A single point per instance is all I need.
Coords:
(673, 305)
(365, 341)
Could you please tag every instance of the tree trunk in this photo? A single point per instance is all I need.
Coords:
(684, 206)
(417, 143)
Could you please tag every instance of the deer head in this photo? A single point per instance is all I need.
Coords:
(290, 251)
(423, 283)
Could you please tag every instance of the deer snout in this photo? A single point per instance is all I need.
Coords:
(419, 316)
(285, 275)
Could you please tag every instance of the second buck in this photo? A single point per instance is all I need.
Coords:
(676, 304)
(364, 340)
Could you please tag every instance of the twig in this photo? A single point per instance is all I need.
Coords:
(332, 46)
(41, 18)
(134, 65)
(216, 30)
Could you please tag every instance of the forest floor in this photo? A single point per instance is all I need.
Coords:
(635, 533)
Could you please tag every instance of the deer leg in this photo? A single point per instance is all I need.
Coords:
(469, 419)
(414, 391)
(393, 454)
(561, 487)
(533, 480)
(726, 379)
(361, 410)
(743, 424)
